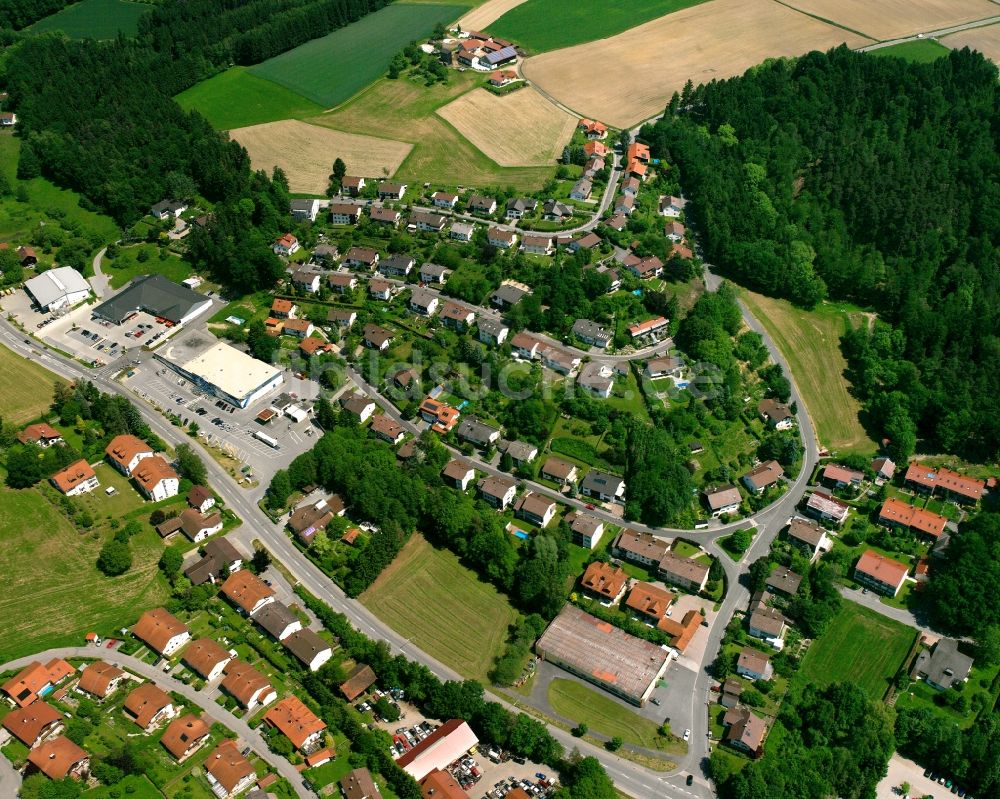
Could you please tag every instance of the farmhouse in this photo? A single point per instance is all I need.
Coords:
(559, 471)
(440, 749)
(896, 513)
(77, 478)
(59, 758)
(825, 507)
(434, 273)
(458, 473)
(622, 664)
(57, 288)
(297, 723)
(942, 666)
(304, 209)
(227, 771)
(161, 631)
(501, 78)
(535, 508)
(592, 333)
(927, 479)
(184, 736)
(603, 486)
(247, 686)
(586, 530)
(776, 414)
(498, 492)
(604, 581)
(723, 499)
(345, 213)
(100, 679)
(881, 574)
(685, 572)
(391, 190)
(423, 220)
(763, 477)
(207, 659)
(247, 591)
(361, 256)
(644, 548)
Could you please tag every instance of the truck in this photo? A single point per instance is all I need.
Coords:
(271, 442)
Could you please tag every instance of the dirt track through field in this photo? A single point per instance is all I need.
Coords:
(488, 12)
(307, 152)
(518, 129)
(985, 40)
(894, 19)
(630, 77)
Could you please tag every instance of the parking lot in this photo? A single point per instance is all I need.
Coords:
(903, 770)
(490, 772)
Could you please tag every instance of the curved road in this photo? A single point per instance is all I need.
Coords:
(208, 707)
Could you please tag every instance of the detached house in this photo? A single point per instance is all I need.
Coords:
(227, 771)
(42, 435)
(592, 333)
(525, 345)
(399, 265)
(126, 451)
(535, 508)
(304, 280)
(881, 574)
(685, 572)
(342, 282)
(431, 223)
(671, 206)
(456, 316)
(458, 473)
(247, 591)
(59, 758)
(809, 537)
(277, 620)
(537, 244)
(585, 529)
(443, 199)
(385, 428)
(424, 301)
(161, 631)
(33, 724)
(377, 338)
(776, 414)
(286, 245)
(604, 581)
(501, 238)
(380, 289)
(825, 507)
(723, 499)
(184, 736)
(603, 486)
(754, 665)
(559, 471)
(581, 190)
(352, 185)
(391, 190)
(148, 705)
(521, 452)
(509, 294)
(434, 273)
(492, 331)
(358, 405)
(309, 649)
(77, 478)
(477, 433)
(497, 491)
(385, 216)
(481, 205)
(556, 211)
(361, 257)
(345, 213)
(517, 208)
(674, 231)
(247, 686)
(297, 723)
(462, 231)
(304, 209)
(763, 477)
(300, 328)
(101, 679)
(207, 659)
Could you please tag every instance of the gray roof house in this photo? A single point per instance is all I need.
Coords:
(943, 666)
(475, 432)
(603, 486)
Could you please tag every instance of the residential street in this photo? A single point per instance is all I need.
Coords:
(214, 712)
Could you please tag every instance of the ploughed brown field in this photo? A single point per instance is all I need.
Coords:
(894, 19)
(985, 40)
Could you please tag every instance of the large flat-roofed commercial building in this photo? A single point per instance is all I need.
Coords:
(219, 369)
(158, 297)
(57, 288)
(606, 656)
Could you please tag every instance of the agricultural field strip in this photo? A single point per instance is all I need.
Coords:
(986, 40)
(479, 18)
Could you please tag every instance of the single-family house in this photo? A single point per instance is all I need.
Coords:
(461, 231)
(592, 148)
(299, 328)
(441, 416)
(458, 473)
(342, 317)
(769, 625)
(638, 151)
(358, 405)
(59, 758)
(297, 723)
(166, 209)
(428, 222)
(592, 333)
(456, 316)
(754, 664)
(643, 548)
(391, 190)
(424, 301)
(304, 209)
(809, 537)
(434, 273)
(879, 573)
(309, 649)
(518, 207)
(671, 206)
(492, 331)
(220, 559)
(838, 476)
(126, 451)
(325, 255)
(520, 452)
(688, 573)
(387, 429)
(358, 257)
(586, 530)
(588, 241)
(501, 238)
(247, 686)
(77, 478)
(247, 591)
(825, 507)
(377, 338)
(556, 211)
(776, 414)
(559, 471)
(647, 268)
(444, 199)
(722, 499)
(496, 491)
(617, 222)
(884, 469)
(603, 486)
(508, 294)
(184, 736)
(559, 360)
(161, 631)
(286, 245)
(593, 130)
(306, 280)
(148, 705)
(201, 499)
(604, 581)
(537, 244)
(596, 379)
(649, 602)
(667, 366)
(361, 678)
(625, 204)
(227, 771)
(34, 723)
(527, 346)
(783, 580)
(100, 679)
(352, 185)
(674, 231)
(35, 680)
(942, 666)
(380, 289)
(745, 731)
(761, 478)
(345, 213)
(381, 215)
(277, 620)
(398, 265)
(478, 204)
(41, 435)
(478, 433)
(342, 282)
(581, 190)
(207, 659)
(535, 508)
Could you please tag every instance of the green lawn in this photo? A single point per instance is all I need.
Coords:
(53, 593)
(126, 266)
(404, 110)
(331, 69)
(810, 342)
(860, 646)
(427, 595)
(94, 19)
(540, 25)
(578, 703)
(922, 51)
(26, 390)
(236, 98)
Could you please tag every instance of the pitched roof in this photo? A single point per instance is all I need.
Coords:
(305, 645)
(97, 677)
(57, 757)
(494, 486)
(925, 521)
(879, 567)
(183, 733)
(685, 568)
(768, 473)
(294, 720)
(534, 504)
(440, 784)
(387, 426)
(683, 631)
(649, 599)
(753, 660)
(356, 403)
(723, 496)
(558, 468)
(642, 545)
(243, 681)
(27, 723)
(773, 410)
(784, 579)
(125, 447)
(361, 678)
(24, 686)
(34, 433)
(204, 655)
(222, 551)
(156, 627)
(806, 531)
(358, 784)
(198, 495)
(275, 618)
(228, 766)
(246, 589)
(146, 701)
(604, 579)
(457, 469)
(932, 478)
(151, 471)
(748, 730)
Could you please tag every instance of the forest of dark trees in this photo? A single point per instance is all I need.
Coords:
(18, 14)
(873, 180)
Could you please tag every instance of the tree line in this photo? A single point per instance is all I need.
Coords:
(18, 14)
(873, 180)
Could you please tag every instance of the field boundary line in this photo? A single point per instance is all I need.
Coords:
(827, 21)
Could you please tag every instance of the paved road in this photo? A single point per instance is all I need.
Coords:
(100, 282)
(872, 601)
(208, 706)
(979, 23)
(10, 778)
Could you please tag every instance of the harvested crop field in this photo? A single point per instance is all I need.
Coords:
(985, 40)
(307, 152)
(478, 18)
(626, 79)
(523, 129)
(892, 19)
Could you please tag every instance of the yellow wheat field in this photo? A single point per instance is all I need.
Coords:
(629, 77)
(307, 152)
(488, 12)
(893, 19)
(517, 129)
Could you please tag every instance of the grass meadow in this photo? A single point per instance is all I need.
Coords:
(94, 19)
(860, 646)
(922, 51)
(442, 607)
(25, 391)
(540, 25)
(331, 69)
(810, 342)
(236, 98)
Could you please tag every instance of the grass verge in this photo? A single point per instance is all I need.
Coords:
(26, 388)
(441, 606)
(922, 51)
